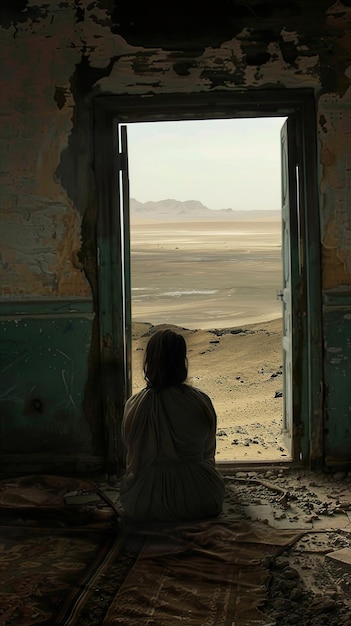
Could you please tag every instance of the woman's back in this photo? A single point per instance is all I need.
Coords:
(169, 429)
(170, 438)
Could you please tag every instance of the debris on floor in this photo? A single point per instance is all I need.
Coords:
(311, 580)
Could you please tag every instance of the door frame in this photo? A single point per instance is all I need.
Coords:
(110, 111)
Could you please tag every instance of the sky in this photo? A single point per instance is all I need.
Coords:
(225, 164)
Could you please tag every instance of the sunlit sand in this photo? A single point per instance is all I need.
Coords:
(218, 284)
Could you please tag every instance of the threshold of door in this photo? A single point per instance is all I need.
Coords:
(231, 467)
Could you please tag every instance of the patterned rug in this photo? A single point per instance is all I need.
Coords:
(63, 565)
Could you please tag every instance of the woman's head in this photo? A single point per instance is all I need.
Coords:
(165, 362)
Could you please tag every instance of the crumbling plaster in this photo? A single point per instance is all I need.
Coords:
(335, 187)
(334, 132)
(40, 232)
(48, 95)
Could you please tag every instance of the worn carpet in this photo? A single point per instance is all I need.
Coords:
(79, 566)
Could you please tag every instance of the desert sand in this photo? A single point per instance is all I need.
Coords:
(217, 284)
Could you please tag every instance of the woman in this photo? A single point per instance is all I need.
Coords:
(169, 429)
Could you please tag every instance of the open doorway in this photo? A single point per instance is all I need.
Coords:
(206, 257)
(300, 292)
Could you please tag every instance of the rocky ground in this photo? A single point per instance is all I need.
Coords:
(241, 370)
(306, 587)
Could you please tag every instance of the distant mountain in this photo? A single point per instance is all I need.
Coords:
(174, 210)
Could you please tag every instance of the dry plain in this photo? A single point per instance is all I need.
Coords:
(217, 283)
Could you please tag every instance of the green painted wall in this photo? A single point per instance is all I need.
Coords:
(43, 366)
(337, 368)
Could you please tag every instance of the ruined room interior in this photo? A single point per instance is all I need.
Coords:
(71, 73)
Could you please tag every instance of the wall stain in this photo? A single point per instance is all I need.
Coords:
(60, 97)
(72, 171)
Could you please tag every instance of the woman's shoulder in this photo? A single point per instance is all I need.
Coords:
(136, 398)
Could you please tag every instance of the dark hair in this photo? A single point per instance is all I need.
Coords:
(165, 362)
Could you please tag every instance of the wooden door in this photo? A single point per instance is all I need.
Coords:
(125, 263)
(290, 262)
(113, 280)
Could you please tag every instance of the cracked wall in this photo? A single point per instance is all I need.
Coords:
(57, 56)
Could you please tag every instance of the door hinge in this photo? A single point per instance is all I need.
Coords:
(122, 161)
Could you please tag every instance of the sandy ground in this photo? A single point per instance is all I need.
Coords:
(241, 371)
(204, 274)
(217, 284)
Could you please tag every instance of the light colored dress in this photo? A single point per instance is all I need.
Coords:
(170, 437)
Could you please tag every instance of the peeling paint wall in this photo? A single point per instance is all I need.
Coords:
(58, 55)
(335, 138)
(40, 231)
